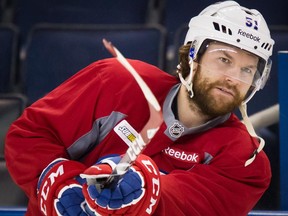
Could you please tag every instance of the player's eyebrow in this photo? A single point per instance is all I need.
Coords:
(231, 57)
(226, 53)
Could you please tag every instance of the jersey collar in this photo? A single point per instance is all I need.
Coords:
(175, 129)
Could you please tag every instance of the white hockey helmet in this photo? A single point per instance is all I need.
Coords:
(246, 29)
(230, 23)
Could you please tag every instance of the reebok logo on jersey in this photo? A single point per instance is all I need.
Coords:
(248, 35)
(182, 155)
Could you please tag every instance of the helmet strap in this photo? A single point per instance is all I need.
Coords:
(188, 83)
(250, 128)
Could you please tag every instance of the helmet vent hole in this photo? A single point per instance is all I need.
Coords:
(248, 12)
(216, 26)
(229, 31)
(266, 46)
(222, 29)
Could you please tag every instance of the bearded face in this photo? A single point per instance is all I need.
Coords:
(222, 79)
(212, 103)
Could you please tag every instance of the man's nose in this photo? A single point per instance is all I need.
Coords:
(233, 74)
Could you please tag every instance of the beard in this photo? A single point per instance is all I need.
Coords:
(210, 105)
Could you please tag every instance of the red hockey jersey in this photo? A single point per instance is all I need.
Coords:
(204, 166)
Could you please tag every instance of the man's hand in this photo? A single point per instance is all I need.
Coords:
(70, 199)
(137, 192)
(59, 190)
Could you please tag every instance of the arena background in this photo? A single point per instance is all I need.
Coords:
(43, 42)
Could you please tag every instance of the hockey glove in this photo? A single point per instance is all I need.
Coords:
(59, 191)
(137, 192)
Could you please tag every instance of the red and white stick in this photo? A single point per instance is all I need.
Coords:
(149, 129)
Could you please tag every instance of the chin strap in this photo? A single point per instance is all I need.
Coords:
(250, 128)
(187, 83)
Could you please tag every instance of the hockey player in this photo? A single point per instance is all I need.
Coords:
(210, 162)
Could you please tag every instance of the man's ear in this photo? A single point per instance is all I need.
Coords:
(195, 66)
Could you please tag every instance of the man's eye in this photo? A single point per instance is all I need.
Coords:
(224, 60)
(246, 70)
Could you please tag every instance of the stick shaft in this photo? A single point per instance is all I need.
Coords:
(149, 129)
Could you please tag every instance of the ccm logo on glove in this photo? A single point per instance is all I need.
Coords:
(59, 174)
(49, 183)
(155, 184)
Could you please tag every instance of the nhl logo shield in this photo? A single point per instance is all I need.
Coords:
(176, 130)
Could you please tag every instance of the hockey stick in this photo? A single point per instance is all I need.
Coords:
(150, 128)
(156, 118)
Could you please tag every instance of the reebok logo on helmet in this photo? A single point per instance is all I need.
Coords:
(248, 35)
